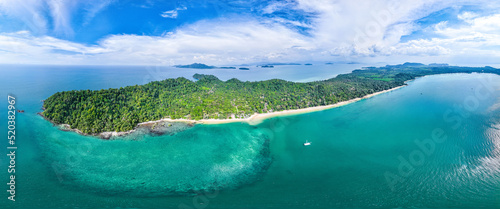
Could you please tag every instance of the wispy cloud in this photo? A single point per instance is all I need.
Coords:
(93, 8)
(278, 6)
(55, 16)
(61, 14)
(30, 12)
(23, 48)
(172, 13)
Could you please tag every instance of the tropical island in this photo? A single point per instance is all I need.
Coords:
(209, 98)
(196, 66)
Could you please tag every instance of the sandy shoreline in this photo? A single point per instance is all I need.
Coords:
(259, 117)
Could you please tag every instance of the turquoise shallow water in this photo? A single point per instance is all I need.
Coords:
(375, 153)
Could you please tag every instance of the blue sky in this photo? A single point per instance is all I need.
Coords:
(221, 32)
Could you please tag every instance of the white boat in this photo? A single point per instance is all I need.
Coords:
(307, 143)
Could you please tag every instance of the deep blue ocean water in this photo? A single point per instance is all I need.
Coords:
(432, 144)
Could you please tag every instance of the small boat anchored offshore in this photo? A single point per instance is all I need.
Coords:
(307, 143)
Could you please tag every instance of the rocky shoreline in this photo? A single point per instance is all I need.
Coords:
(156, 128)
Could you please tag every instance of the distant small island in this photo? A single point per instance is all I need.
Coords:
(308, 64)
(195, 66)
(267, 66)
(244, 68)
(227, 67)
(280, 63)
(209, 98)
